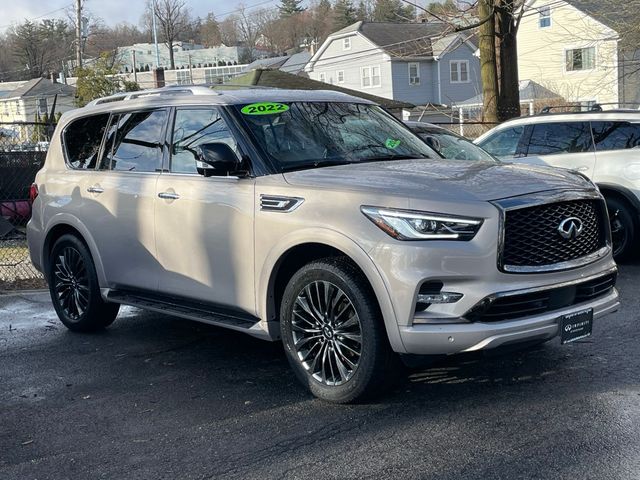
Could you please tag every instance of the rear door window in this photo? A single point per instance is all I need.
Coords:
(135, 142)
(82, 140)
(504, 143)
(561, 137)
(616, 135)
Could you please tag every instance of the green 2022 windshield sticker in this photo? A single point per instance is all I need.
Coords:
(264, 108)
(391, 143)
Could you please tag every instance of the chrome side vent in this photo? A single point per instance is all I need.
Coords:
(277, 203)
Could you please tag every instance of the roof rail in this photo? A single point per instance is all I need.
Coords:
(583, 108)
(164, 91)
(596, 107)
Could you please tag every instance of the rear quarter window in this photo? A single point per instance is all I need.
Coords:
(616, 135)
(82, 139)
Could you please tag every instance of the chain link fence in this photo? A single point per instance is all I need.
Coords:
(470, 130)
(23, 148)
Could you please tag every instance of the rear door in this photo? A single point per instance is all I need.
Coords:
(562, 144)
(120, 199)
(204, 224)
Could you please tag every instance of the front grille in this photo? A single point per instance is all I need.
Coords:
(532, 239)
(510, 307)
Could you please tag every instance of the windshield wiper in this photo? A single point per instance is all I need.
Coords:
(317, 164)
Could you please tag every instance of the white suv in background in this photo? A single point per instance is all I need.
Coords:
(602, 145)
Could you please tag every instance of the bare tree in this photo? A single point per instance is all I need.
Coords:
(172, 17)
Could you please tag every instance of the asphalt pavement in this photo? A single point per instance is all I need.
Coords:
(157, 397)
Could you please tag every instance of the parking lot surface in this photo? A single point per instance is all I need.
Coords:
(157, 397)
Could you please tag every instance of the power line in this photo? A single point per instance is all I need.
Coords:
(39, 16)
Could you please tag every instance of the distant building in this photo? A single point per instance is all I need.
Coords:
(23, 101)
(419, 63)
(184, 54)
(576, 48)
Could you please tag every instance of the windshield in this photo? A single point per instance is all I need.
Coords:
(452, 146)
(301, 135)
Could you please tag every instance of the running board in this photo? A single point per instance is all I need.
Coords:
(199, 312)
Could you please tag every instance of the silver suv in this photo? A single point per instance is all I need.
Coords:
(316, 218)
(604, 145)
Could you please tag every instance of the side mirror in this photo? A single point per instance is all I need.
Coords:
(216, 159)
(433, 142)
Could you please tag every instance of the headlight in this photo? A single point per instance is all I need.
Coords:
(412, 225)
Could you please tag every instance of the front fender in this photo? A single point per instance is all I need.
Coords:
(351, 249)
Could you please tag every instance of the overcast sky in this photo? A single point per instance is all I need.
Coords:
(111, 11)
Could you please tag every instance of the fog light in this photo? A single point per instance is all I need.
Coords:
(442, 297)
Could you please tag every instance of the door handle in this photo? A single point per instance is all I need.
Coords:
(95, 189)
(169, 195)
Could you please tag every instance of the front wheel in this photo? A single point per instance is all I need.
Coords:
(74, 288)
(623, 228)
(333, 333)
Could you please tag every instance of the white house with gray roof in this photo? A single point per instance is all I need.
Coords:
(419, 63)
(21, 101)
(586, 51)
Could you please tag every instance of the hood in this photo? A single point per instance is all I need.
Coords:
(446, 180)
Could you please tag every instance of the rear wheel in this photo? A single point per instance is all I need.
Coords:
(333, 333)
(74, 288)
(623, 228)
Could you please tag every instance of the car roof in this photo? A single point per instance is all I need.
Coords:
(202, 95)
(629, 115)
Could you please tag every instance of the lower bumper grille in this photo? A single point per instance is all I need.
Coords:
(510, 307)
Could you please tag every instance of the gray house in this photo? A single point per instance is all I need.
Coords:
(419, 63)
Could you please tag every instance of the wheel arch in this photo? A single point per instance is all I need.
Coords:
(623, 193)
(282, 263)
(68, 224)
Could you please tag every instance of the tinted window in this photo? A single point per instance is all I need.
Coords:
(137, 143)
(616, 135)
(82, 140)
(504, 143)
(557, 138)
(193, 128)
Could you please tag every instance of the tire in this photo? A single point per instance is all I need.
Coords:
(347, 332)
(623, 228)
(74, 289)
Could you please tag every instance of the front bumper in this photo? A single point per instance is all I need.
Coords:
(439, 339)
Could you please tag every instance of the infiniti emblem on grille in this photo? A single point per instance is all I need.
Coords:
(570, 228)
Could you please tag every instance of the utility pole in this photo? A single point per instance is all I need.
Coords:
(78, 33)
(135, 69)
(155, 35)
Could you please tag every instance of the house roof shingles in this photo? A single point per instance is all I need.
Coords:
(401, 39)
(40, 87)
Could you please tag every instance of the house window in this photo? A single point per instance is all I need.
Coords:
(370, 77)
(346, 43)
(414, 74)
(459, 71)
(322, 77)
(42, 106)
(340, 76)
(544, 20)
(183, 77)
(580, 59)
